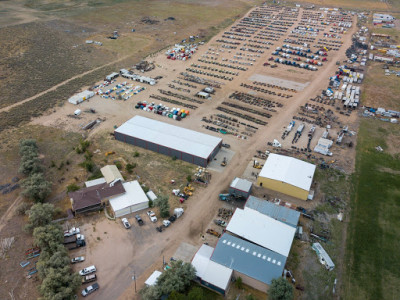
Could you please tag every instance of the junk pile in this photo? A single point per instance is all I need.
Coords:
(145, 66)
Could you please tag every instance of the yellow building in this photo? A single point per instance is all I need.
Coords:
(287, 175)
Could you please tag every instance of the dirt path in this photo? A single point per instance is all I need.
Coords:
(7, 108)
(9, 213)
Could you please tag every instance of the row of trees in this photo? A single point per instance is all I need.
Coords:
(176, 279)
(58, 281)
(35, 186)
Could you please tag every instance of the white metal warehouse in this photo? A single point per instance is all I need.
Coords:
(262, 230)
(185, 144)
(134, 199)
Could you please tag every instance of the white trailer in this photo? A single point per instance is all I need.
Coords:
(323, 256)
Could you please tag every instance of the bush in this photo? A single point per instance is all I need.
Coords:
(151, 203)
(88, 165)
(96, 174)
(136, 154)
(118, 164)
(189, 178)
(130, 167)
(174, 157)
(280, 289)
(145, 188)
(23, 208)
(72, 187)
(163, 204)
(239, 283)
(196, 293)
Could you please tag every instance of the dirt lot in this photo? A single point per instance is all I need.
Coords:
(201, 208)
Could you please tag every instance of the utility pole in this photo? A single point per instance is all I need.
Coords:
(134, 279)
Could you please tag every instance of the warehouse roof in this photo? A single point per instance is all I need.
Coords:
(262, 230)
(111, 173)
(245, 257)
(134, 195)
(210, 271)
(241, 184)
(289, 170)
(281, 213)
(170, 136)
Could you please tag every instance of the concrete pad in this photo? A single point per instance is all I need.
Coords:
(279, 81)
(185, 252)
(215, 165)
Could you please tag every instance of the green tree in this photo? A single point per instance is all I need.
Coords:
(176, 296)
(29, 165)
(39, 215)
(49, 237)
(60, 284)
(177, 278)
(36, 187)
(196, 293)
(150, 293)
(280, 289)
(27, 145)
(59, 260)
(163, 204)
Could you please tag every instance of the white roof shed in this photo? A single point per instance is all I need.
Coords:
(289, 170)
(262, 230)
(210, 271)
(132, 200)
(152, 280)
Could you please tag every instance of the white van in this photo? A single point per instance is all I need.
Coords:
(87, 270)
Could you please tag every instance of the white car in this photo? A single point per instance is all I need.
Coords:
(152, 216)
(126, 223)
(77, 259)
(166, 223)
(87, 270)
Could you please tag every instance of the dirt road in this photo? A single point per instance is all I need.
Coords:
(61, 84)
(10, 212)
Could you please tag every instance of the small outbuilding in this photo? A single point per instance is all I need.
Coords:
(78, 98)
(111, 173)
(240, 188)
(287, 175)
(152, 280)
(134, 199)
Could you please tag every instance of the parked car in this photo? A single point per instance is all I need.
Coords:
(87, 270)
(126, 223)
(77, 259)
(90, 289)
(172, 218)
(139, 220)
(72, 231)
(166, 223)
(226, 145)
(89, 278)
(152, 216)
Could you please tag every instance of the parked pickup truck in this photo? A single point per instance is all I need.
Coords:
(90, 289)
(73, 239)
(89, 278)
(72, 231)
(75, 245)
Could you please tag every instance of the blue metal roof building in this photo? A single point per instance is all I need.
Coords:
(281, 213)
(249, 261)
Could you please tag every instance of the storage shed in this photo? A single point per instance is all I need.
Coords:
(287, 175)
(132, 200)
(187, 145)
(240, 188)
(78, 98)
(111, 173)
(209, 273)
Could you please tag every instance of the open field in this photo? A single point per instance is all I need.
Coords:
(381, 90)
(373, 240)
